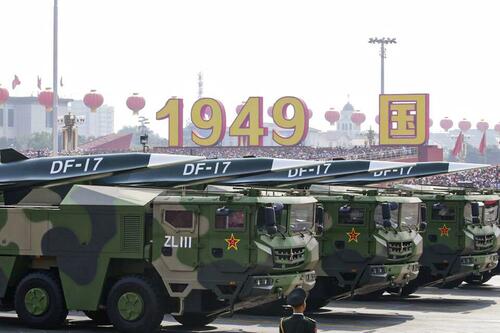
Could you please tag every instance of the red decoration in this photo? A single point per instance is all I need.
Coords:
(93, 100)
(497, 128)
(332, 116)
(135, 103)
(458, 145)
(4, 95)
(206, 112)
(377, 119)
(464, 125)
(482, 125)
(45, 99)
(482, 144)
(358, 118)
(446, 124)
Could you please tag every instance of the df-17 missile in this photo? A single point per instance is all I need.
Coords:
(207, 172)
(417, 170)
(304, 176)
(19, 171)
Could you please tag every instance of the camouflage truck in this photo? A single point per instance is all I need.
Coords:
(370, 241)
(127, 256)
(461, 237)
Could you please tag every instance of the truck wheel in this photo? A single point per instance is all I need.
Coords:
(99, 317)
(194, 320)
(479, 280)
(135, 305)
(451, 284)
(39, 301)
(409, 289)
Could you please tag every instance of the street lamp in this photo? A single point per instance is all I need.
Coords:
(143, 121)
(382, 41)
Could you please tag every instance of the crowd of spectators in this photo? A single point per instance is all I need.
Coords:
(478, 178)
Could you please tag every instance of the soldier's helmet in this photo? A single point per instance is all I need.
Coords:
(297, 297)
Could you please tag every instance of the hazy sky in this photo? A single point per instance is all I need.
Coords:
(316, 50)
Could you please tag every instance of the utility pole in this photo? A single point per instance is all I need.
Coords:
(200, 85)
(382, 41)
(55, 99)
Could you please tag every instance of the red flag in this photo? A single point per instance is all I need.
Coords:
(39, 82)
(458, 145)
(482, 145)
(15, 82)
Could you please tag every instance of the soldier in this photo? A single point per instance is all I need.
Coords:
(297, 323)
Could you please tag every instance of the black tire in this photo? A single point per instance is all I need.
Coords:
(451, 284)
(194, 320)
(99, 317)
(55, 314)
(151, 315)
(479, 280)
(409, 289)
(320, 295)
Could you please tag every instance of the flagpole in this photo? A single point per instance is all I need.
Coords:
(55, 101)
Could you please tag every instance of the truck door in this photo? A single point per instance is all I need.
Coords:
(229, 240)
(176, 236)
(442, 228)
(350, 230)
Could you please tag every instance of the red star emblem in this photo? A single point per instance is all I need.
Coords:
(444, 230)
(232, 242)
(353, 235)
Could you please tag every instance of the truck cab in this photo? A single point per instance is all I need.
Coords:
(461, 239)
(370, 242)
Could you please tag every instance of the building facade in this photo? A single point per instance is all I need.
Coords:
(97, 124)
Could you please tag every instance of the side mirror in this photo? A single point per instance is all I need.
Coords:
(475, 212)
(423, 213)
(423, 226)
(224, 211)
(320, 211)
(386, 214)
(270, 220)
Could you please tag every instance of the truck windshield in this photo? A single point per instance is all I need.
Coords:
(491, 211)
(404, 214)
(301, 217)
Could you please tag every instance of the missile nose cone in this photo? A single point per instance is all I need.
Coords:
(454, 167)
(285, 164)
(158, 160)
(382, 165)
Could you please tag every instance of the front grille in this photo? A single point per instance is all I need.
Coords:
(485, 242)
(399, 250)
(289, 258)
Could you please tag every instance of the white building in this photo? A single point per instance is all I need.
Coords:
(99, 123)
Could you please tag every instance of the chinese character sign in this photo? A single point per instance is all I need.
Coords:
(404, 119)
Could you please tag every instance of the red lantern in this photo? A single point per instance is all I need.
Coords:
(464, 125)
(446, 124)
(45, 98)
(135, 103)
(332, 116)
(377, 119)
(482, 125)
(93, 100)
(358, 118)
(497, 128)
(206, 112)
(4, 95)
(309, 113)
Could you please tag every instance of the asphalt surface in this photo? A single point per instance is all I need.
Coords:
(466, 309)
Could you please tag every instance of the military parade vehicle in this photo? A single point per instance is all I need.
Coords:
(461, 237)
(130, 255)
(370, 241)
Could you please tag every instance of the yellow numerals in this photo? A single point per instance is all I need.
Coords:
(249, 122)
(213, 120)
(299, 122)
(173, 111)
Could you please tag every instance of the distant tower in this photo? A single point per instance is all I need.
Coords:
(200, 85)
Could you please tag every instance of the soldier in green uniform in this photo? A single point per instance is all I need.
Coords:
(297, 322)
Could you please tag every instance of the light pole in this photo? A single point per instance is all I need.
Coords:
(382, 41)
(143, 121)
(55, 98)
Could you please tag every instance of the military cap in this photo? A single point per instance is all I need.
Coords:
(296, 297)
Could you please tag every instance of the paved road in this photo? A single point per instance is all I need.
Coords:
(467, 309)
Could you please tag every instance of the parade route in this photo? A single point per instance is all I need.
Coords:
(467, 309)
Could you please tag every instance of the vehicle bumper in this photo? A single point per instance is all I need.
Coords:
(477, 264)
(377, 277)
